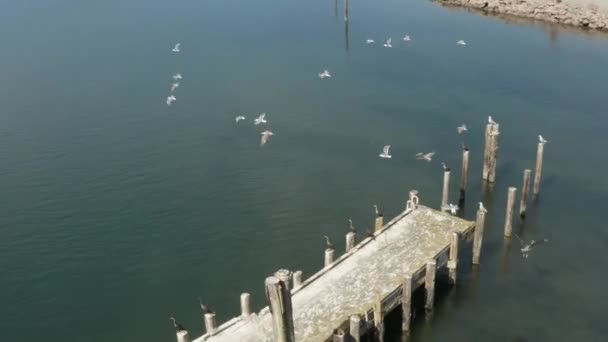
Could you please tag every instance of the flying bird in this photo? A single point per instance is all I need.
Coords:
(177, 77)
(385, 152)
(369, 41)
(425, 156)
(174, 86)
(204, 308)
(407, 38)
(491, 121)
(324, 74)
(351, 227)
(461, 42)
(239, 118)
(265, 136)
(462, 128)
(328, 243)
(482, 208)
(388, 43)
(378, 212)
(178, 327)
(452, 208)
(526, 248)
(170, 100)
(260, 119)
(176, 48)
(542, 140)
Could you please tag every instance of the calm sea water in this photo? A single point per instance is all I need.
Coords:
(118, 211)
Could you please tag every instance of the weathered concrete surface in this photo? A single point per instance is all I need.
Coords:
(592, 14)
(350, 285)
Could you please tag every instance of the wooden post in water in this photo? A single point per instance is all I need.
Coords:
(486, 153)
(378, 223)
(339, 336)
(480, 221)
(279, 297)
(345, 10)
(355, 328)
(509, 211)
(539, 167)
(297, 279)
(453, 261)
(284, 276)
(429, 284)
(245, 305)
(523, 203)
(183, 336)
(414, 198)
(493, 153)
(446, 190)
(464, 173)
(351, 241)
(329, 256)
(379, 319)
(210, 324)
(406, 303)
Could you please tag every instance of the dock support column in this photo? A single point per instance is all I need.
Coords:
(345, 10)
(509, 211)
(539, 167)
(351, 241)
(480, 221)
(406, 304)
(245, 305)
(453, 261)
(210, 324)
(446, 190)
(279, 297)
(329, 256)
(297, 279)
(284, 276)
(183, 336)
(378, 224)
(379, 319)
(523, 203)
(339, 336)
(429, 284)
(355, 328)
(464, 173)
(490, 153)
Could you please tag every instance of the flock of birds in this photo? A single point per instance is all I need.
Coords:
(389, 42)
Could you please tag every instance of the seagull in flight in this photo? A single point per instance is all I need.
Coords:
(482, 208)
(176, 48)
(328, 243)
(452, 208)
(385, 153)
(204, 308)
(260, 119)
(407, 38)
(178, 327)
(461, 42)
(526, 248)
(388, 43)
(542, 140)
(170, 100)
(265, 136)
(462, 128)
(425, 156)
(369, 41)
(491, 121)
(239, 118)
(174, 86)
(177, 77)
(324, 74)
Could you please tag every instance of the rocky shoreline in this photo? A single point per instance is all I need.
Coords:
(590, 17)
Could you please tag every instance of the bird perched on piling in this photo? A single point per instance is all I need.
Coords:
(461, 129)
(491, 121)
(351, 227)
(178, 327)
(482, 208)
(542, 140)
(425, 156)
(378, 212)
(328, 243)
(204, 308)
(445, 166)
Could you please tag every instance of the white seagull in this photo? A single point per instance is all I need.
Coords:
(482, 208)
(461, 42)
(170, 100)
(177, 77)
(452, 208)
(369, 41)
(542, 140)
(526, 248)
(388, 43)
(461, 128)
(425, 156)
(239, 118)
(260, 119)
(385, 153)
(491, 121)
(407, 38)
(176, 48)
(174, 86)
(324, 74)
(265, 136)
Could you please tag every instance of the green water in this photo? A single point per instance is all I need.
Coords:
(117, 211)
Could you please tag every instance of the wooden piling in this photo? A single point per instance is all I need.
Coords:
(446, 190)
(523, 203)
(210, 324)
(539, 167)
(183, 336)
(493, 153)
(351, 241)
(284, 276)
(414, 198)
(379, 319)
(509, 212)
(355, 328)
(297, 279)
(453, 261)
(329, 256)
(378, 224)
(464, 173)
(339, 336)
(345, 10)
(429, 284)
(245, 305)
(486, 152)
(478, 235)
(280, 308)
(406, 303)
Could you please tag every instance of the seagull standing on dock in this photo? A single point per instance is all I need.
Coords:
(461, 129)
(265, 136)
(542, 140)
(239, 118)
(461, 42)
(204, 308)
(385, 153)
(324, 74)
(369, 41)
(178, 327)
(388, 43)
(351, 227)
(482, 208)
(491, 121)
(407, 38)
(176, 48)
(452, 208)
(174, 86)
(526, 248)
(170, 100)
(425, 156)
(328, 243)
(177, 77)
(260, 119)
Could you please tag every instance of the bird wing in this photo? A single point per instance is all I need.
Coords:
(389, 40)
(386, 148)
(538, 242)
(520, 239)
(429, 155)
(264, 140)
